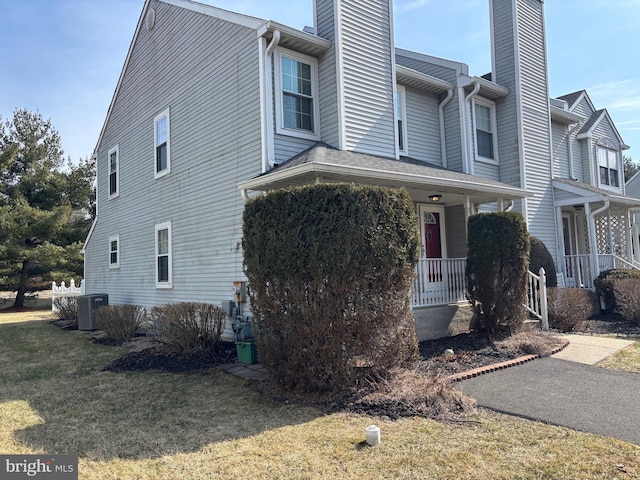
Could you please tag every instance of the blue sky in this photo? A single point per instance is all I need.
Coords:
(63, 57)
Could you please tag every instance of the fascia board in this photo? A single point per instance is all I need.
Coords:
(431, 81)
(442, 62)
(227, 15)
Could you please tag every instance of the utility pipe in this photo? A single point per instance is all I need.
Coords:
(443, 145)
(275, 40)
(467, 100)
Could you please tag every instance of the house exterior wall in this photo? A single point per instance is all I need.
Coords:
(423, 126)
(524, 140)
(215, 140)
(560, 147)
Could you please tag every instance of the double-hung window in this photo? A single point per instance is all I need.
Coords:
(114, 172)
(608, 167)
(485, 137)
(401, 117)
(114, 251)
(296, 84)
(163, 256)
(162, 144)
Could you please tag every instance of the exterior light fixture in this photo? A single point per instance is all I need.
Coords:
(578, 207)
(435, 198)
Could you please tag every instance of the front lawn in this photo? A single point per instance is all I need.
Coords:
(627, 360)
(55, 399)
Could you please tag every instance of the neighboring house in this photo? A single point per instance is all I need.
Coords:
(632, 189)
(213, 107)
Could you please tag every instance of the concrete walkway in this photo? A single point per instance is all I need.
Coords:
(567, 390)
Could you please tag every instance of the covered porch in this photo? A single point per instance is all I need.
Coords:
(597, 231)
(443, 200)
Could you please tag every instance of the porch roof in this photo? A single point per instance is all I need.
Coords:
(322, 163)
(585, 193)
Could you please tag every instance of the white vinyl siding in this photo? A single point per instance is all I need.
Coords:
(162, 144)
(164, 269)
(114, 251)
(114, 172)
(296, 85)
(401, 118)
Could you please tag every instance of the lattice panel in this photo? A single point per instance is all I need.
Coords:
(602, 235)
(616, 231)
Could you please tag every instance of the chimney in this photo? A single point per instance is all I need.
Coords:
(519, 57)
(357, 75)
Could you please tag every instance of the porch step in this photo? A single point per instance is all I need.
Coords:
(531, 324)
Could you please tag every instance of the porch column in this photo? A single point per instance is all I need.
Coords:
(467, 212)
(634, 234)
(561, 263)
(593, 244)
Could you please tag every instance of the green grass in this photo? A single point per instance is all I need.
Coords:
(55, 399)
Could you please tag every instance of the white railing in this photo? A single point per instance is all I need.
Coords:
(60, 291)
(439, 281)
(578, 271)
(537, 297)
(608, 261)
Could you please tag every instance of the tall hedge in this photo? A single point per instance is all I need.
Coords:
(539, 256)
(330, 269)
(497, 263)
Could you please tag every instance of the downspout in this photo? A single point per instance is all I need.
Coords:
(443, 145)
(509, 206)
(269, 99)
(467, 100)
(593, 241)
(635, 240)
(570, 151)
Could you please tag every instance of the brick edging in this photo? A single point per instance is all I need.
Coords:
(500, 366)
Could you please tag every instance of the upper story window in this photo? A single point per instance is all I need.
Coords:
(114, 251)
(296, 83)
(114, 172)
(164, 270)
(401, 117)
(485, 137)
(608, 164)
(162, 144)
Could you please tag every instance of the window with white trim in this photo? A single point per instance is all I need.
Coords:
(608, 167)
(296, 85)
(401, 117)
(162, 144)
(485, 135)
(164, 271)
(114, 172)
(114, 251)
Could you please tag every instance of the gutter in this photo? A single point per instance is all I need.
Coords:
(468, 119)
(269, 161)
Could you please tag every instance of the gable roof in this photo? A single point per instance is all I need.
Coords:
(571, 98)
(596, 118)
(588, 193)
(327, 164)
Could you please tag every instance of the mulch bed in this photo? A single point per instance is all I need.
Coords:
(607, 324)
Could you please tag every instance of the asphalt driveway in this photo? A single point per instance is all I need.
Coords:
(574, 395)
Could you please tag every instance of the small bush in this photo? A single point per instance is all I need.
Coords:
(569, 306)
(119, 322)
(186, 328)
(539, 256)
(627, 296)
(604, 285)
(66, 308)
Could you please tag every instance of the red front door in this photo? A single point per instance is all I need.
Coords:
(432, 241)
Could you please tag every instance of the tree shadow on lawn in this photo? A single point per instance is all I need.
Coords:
(101, 415)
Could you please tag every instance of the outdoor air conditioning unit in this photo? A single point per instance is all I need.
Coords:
(87, 305)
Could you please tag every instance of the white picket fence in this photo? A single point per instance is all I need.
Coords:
(61, 291)
(537, 297)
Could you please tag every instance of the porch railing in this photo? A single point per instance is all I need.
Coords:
(579, 273)
(439, 281)
(608, 261)
(537, 297)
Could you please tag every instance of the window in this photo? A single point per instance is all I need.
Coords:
(401, 116)
(114, 251)
(296, 83)
(608, 167)
(484, 115)
(163, 256)
(114, 172)
(162, 144)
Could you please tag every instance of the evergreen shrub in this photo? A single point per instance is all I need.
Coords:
(539, 256)
(330, 269)
(497, 264)
(604, 284)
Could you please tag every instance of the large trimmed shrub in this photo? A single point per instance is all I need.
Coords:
(569, 306)
(120, 322)
(627, 295)
(604, 284)
(497, 263)
(330, 269)
(540, 257)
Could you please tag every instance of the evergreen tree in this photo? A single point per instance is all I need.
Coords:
(46, 206)
(630, 167)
